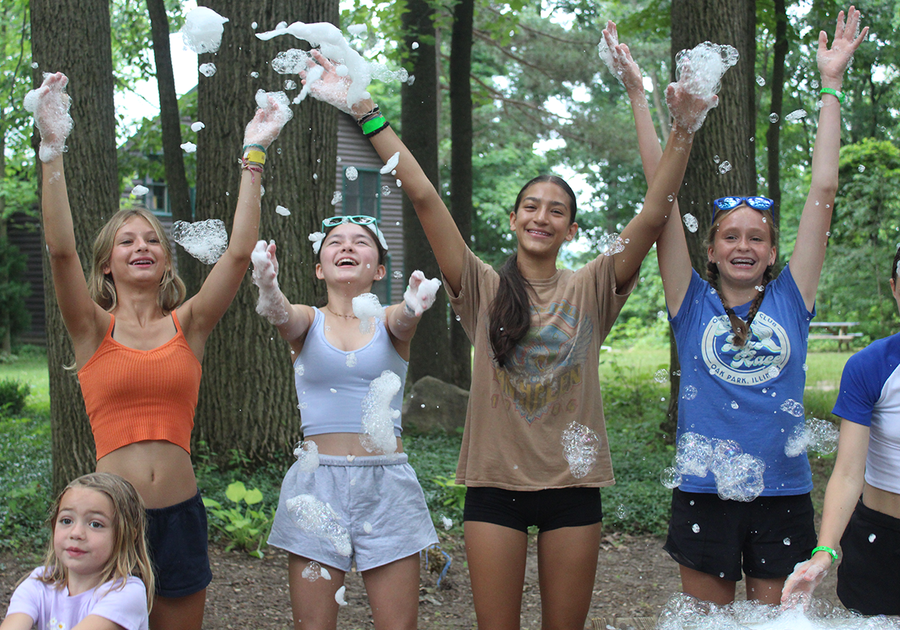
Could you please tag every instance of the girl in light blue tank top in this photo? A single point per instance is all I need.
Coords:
(351, 496)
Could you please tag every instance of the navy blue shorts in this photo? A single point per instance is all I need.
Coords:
(546, 509)
(868, 577)
(766, 537)
(179, 548)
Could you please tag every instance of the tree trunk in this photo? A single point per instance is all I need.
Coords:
(74, 37)
(170, 120)
(431, 345)
(773, 133)
(726, 136)
(247, 398)
(461, 167)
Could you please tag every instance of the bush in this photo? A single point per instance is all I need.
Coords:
(26, 481)
(13, 394)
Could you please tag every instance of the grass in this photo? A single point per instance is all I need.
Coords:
(634, 404)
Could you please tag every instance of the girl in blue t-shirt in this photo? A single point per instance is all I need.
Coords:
(97, 572)
(742, 345)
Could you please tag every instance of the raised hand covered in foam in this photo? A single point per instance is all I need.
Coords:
(420, 293)
(618, 59)
(272, 115)
(688, 108)
(799, 586)
(265, 276)
(330, 83)
(50, 106)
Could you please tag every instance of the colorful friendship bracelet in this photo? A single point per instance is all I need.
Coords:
(255, 156)
(831, 552)
(840, 97)
(372, 113)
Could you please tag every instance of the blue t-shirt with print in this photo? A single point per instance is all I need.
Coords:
(749, 394)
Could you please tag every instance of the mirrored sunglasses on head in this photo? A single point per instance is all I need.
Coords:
(358, 219)
(730, 203)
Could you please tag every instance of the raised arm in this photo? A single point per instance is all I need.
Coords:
(671, 246)
(200, 314)
(843, 491)
(84, 319)
(689, 111)
(812, 234)
(447, 243)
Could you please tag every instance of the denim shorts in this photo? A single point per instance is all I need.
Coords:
(765, 537)
(548, 509)
(178, 541)
(378, 500)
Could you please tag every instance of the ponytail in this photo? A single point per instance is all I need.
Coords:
(510, 312)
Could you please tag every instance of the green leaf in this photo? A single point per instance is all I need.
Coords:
(253, 497)
(236, 491)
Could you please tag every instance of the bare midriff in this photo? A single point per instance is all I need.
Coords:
(343, 444)
(881, 500)
(160, 471)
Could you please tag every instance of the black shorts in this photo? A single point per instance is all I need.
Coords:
(766, 537)
(179, 548)
(868, 577)
(546, 509)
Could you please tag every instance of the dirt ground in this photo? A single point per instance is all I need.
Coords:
(635, 578)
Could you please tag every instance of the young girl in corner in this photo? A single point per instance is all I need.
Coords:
(534, 449)
(377, 501)
(742, 346)
(96, 574)
(139, 346)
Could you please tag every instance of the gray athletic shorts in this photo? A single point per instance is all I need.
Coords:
(377, 499)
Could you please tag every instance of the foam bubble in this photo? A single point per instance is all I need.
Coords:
(202, 30)
(307, 454)
(318, 519)
(581, 445)
(377, 435)
(367, 307)
(690, 222)
(312, 571)
(204, 240)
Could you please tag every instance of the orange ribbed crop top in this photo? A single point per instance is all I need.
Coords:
(135, 395)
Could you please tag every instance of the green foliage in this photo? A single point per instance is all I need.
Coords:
(244, 528)
(13, 395)
(434, 457)
(26, 479)
(14, 315)
(454, 493)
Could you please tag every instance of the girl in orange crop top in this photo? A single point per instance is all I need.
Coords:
(130, 318)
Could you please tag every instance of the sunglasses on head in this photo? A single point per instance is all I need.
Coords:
(723, 204)
(358, 219)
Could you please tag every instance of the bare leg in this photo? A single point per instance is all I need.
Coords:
(178, 613)
(706, 587)
(312, 603)
(393, 591)
(766, 591)
(567, 566)
(496, 557)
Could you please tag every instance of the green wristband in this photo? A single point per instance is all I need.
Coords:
(840, 97)
(373, 125)
(831, 552)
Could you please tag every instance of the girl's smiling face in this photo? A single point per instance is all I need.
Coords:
(543, 219)
(349, 252)
(742, 248)
(137, 252)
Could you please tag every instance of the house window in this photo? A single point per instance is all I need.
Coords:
(362, 195)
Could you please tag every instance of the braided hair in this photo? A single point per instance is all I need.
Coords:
(740, 327)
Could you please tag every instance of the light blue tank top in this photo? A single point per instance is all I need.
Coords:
(331, 383)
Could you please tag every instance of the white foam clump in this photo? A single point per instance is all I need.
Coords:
(271, 302)
(690, 222)
(319, 519)
(316, 239)
(446, 522)
(307, 454)
(367, 308)
(581, 445)
(207, 69)
(391, 164)
(699, 71)
(139, 191)
(683, 612)
(792, 407)
(377, 434)
(611, 244)
(202, 30)
(817, 435)
(351, 173)
(282, 211)
(339, 596)
(204, 240)
(738, 475)
(262, 101)
(333, 45)
(313, 571)
(797, 114)
(59, 121)
(197, 126)
(188, 147)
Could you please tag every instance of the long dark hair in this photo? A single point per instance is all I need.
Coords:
(739, 327)
(510, 311)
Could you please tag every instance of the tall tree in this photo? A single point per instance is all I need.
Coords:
(419, 120)
(247, 398)
(727, 135)
(773, 134)
(461, 164)
(170, 120)
(74, 38)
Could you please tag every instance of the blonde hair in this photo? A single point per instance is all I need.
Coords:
(130, 556)
(739, 327)
(101, 285)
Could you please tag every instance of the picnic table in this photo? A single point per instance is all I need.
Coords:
(835, 331)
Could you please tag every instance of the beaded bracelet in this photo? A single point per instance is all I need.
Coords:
(839, 96)
(831, 552)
